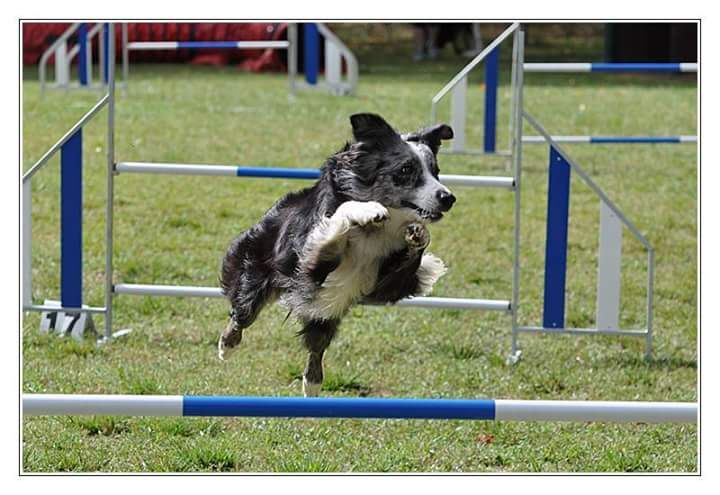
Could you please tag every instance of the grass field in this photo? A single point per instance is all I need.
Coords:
(174, 230)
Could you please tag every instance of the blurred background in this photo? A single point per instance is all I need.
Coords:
(388, 42)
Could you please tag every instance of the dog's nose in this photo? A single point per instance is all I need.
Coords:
(446, 200)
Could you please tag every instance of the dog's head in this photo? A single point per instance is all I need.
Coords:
(397, 171)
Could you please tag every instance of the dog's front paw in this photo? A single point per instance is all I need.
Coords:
(367, 214)
(417, 236)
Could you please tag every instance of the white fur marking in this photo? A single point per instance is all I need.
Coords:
(362, 251)
(426, 196)
(430, 270)
(311, 389)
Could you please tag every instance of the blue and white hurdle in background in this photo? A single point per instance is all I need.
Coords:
(364, 408)
(336, 54)
(337, 57)
(64, 54)
(71, 303)
(458, 106)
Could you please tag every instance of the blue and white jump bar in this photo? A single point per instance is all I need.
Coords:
(609, 67)
(298, 407)
(286, 173)
(176, 45)
(613, 139)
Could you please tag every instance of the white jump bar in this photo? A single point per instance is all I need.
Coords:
(418, 302)
(288, 173)
(175, 45)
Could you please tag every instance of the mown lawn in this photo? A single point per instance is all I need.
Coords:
(174, 230)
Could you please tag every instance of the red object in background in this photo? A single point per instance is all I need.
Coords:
(38, 36)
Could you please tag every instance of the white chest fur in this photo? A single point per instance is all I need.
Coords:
(362, 249)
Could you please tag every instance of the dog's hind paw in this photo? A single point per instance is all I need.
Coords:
(229, 341)
(224, 352)
(311, 389)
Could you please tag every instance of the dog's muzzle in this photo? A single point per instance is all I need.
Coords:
(445, 199)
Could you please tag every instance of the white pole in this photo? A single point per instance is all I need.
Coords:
(551, 410)
(292, 56)
(557, 67)
(458, 118)
(609, 264)
(122, 405)
(62, 69)
(333, 66)
(27, 243)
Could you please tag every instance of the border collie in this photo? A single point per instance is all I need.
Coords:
(357, 235)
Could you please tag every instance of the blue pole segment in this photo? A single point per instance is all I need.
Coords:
(106, 51)
(634, 67)
(300, 407)
(311, 58)
(207, 44)
(279, 173)
(633, 139)
(556, 241)
(82, 54)
(491, 82)
(71, 222)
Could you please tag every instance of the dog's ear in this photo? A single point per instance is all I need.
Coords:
(371, 128)
(432, 136)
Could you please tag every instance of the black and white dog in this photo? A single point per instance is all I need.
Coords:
(357, 235)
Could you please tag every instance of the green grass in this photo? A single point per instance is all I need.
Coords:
(174, 230)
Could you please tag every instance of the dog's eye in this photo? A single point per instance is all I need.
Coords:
(406, 169)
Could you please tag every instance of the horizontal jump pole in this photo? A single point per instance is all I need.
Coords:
(610, 67)
(287, 173)
(418, 302)
(613, 139)
(177, 45)
(296, 407)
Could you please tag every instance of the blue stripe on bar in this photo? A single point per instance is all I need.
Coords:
(207, 44)
(491, 82)
(82, 54)
(71, 222)
(311, 53)
(294, 407)
(634, 67)
(279, 173)
(633, 139)
(556, 241)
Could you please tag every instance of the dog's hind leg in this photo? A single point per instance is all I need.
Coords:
(246, 304)
(317, 335)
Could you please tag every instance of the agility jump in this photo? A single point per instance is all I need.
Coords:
(295, 407)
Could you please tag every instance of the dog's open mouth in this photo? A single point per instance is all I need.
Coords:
(433, 216)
